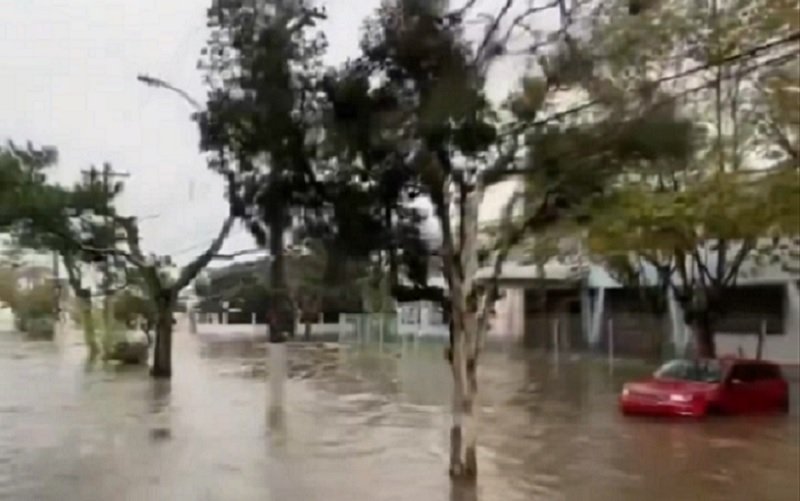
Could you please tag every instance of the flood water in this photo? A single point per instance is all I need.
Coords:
(359, 423)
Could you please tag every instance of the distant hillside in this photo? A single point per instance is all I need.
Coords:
(245, 287)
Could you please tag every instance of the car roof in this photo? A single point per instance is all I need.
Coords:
(745, 361)
(727, 361)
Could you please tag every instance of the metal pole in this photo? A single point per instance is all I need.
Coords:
(107, 174)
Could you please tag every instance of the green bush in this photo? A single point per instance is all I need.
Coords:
(35, 311)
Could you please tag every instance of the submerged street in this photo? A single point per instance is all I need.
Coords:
(359, 422)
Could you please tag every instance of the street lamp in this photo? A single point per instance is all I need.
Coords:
(161, 84)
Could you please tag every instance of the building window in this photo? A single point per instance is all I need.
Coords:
(747, 309)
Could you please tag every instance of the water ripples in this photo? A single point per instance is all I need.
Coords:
(359, 423)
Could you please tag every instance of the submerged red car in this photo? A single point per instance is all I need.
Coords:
(699, 387)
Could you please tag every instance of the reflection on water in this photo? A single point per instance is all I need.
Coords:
(359, 423)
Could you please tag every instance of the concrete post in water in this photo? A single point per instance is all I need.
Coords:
(597, 318)
(611, 343)
(762, 335)
(423, 315)
(277, 374)
(381, 327)
(586, 313)
(191, 316)
(556, 336)
(679, 333)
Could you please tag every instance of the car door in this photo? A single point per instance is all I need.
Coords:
(771, 388)
(740, 392)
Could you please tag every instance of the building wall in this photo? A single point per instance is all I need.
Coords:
(508, 321)
(629, 326)
(783, 348)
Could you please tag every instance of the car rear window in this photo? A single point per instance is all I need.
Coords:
(749, 372)
(707, 371)
(768, 371)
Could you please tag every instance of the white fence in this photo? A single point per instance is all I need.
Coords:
(412, 321)
(421, 320)
(258, 330)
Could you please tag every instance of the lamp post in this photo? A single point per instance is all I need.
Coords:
(161, 84)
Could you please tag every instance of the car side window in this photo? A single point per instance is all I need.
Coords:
(744, 373)
(768, 372)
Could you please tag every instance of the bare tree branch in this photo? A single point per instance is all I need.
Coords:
(135, 255)
(738, 260)
(72, 272)
(517, 22)
(459, 14)
(234, 255)
(480, 56)
(778, 134)
(190, 271)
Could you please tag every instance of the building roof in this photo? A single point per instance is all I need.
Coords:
(553, 271)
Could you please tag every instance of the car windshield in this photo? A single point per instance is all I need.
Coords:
(706, 371)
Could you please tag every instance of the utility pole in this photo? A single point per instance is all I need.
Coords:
(57, 291)
(108, 190)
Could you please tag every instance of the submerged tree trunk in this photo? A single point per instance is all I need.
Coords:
(162, 353)
(463, 433)
(704, 335)
(278, 372)
(461, 265)
(87, 322)
(282, 314)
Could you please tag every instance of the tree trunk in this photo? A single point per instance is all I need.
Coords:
(162, 354)
(460, 267)
(278, 372)
(282, 314)
(704, 335)
(463, 436)
(87, 322)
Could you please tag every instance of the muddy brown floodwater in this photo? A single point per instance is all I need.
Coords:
(360, 423)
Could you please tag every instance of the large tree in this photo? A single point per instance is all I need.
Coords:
(42, 216)
(261, 122)
(45, 216)
(162, 288)
(414, 119)
(696, 221)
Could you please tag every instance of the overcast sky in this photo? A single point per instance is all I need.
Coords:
(68, 79)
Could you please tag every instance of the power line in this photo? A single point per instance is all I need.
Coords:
(198, 245)
(747, 54)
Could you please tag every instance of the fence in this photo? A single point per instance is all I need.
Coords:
(624, 334)
(618, 333)
(362, 327)
(215, 325)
